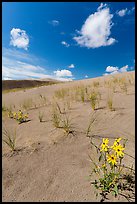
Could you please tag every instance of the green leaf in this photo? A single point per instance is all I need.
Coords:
(100, 157)
(116, 190)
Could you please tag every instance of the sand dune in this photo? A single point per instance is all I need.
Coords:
(50, 165)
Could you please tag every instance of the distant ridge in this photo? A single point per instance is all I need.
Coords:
(26, 83)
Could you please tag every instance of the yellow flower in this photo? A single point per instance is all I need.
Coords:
(116, 143)
(118, 139)
(119, 149)
(104, 148)
(105, 141)
(112, 159)
(104, 145)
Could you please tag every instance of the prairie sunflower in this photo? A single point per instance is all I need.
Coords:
(116, 143)
(119, 149)
(112, 159)
(104, 145)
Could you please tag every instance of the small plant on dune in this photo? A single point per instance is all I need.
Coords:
(27, 104)
(59, 108)
(9, 139)
(56, 118)
(10, 113)
(41, 115)
(4, 108)
(44, 99)
(61, 93)
(94, 99)
(66, 125)
(19, 116)
(110, 103)
(110, 177)
(90, 126)
(82, 95)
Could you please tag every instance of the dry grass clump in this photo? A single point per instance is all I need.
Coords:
(94, 99)
(66, 124)
(61, 108)
(4, 108)
(110, 101)
(82, 95)
(44, 99)
(56, 117)
(89, 130)
(61, 120)
(27, 104)
(62, 93)
(9, 138)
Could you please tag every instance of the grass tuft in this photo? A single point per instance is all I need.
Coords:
(9, 138)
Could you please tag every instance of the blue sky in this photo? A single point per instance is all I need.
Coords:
(67, 40)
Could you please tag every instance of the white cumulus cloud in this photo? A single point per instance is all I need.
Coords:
(123, 69)
(54, 22)
(63, 73)
(122, 12)
(71, 66)
(19, 38)
(65, 44)
(115, 70)
(96, 30)
(111, 69)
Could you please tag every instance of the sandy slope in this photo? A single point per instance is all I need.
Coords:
(51, 166)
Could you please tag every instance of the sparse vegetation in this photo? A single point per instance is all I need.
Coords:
(90, 126)
(110, 102)
(61, 93)
(94, 100)
(19, 116)
(66, 124)
(9, 138)
(4, 108)
(82, 94)
(56, 118)
(27, 104)
(87, 105)
(110, 176)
